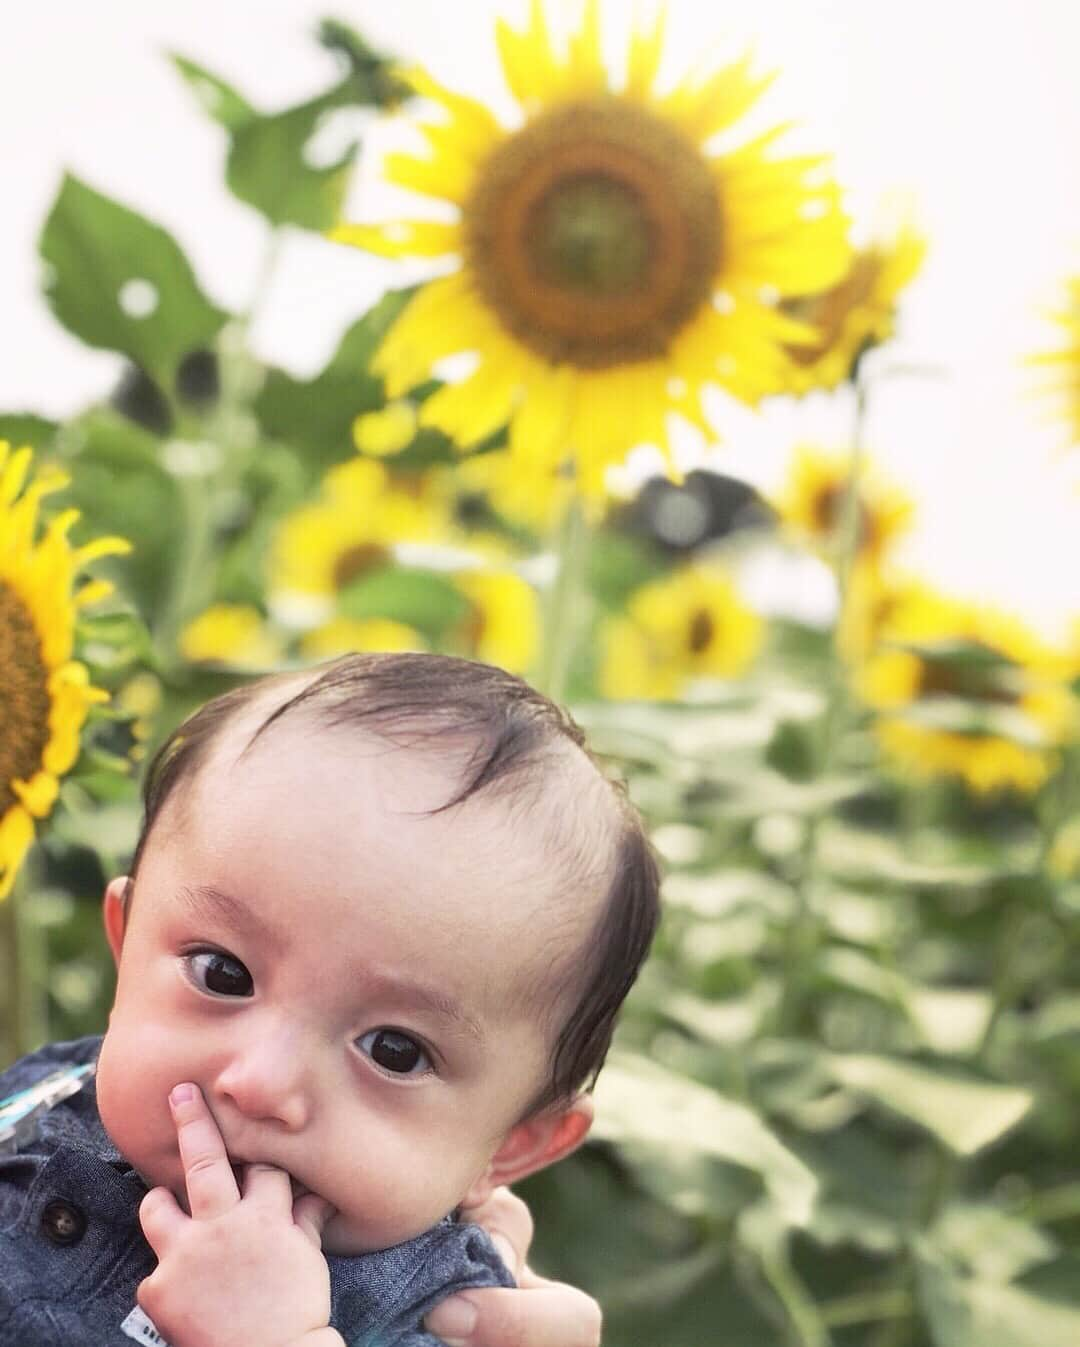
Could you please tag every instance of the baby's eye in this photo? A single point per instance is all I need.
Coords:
(219, 973)
(395, 1052)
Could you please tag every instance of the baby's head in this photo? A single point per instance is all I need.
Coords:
(384, 915)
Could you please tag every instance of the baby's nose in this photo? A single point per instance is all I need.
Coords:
(267, 1081)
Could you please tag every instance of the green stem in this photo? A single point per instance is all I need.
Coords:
(196, 496)
(866, 1307)
(230, 427)
(10, 996)
(801, 935)
(564, 602)
(25, 961)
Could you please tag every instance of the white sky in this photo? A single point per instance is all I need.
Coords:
(971, 107)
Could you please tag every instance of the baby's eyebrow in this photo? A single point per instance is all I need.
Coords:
(408, 991)
(205, 902)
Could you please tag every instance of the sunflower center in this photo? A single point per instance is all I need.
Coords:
(590, 235)
(594, 233)
(701, 631)
(978, 674)
(828, 511)
(24, 695)
(355, 562)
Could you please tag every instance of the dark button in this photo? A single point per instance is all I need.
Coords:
(63, 1223)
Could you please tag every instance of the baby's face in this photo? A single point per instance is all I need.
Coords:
(340, 973)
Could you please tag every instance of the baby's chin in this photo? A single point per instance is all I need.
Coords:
(346, 1238)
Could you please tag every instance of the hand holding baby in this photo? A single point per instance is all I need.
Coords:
(242, 1267)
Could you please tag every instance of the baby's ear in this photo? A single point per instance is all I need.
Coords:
(115, 913)
(533, 1144)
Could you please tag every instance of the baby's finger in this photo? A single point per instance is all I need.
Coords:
(160, 1217)
(509, 1223)
(269, 1187)
(211, 1184)
(311, 1214)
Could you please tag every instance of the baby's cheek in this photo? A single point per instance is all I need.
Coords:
(133, 1105)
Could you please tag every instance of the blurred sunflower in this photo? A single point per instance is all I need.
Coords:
(383, 433)
(690, 624)
(502, 623)
(967, 692)
(811, 503)
(361, 514)
(856, 313)
(1065, 361)
(531, 496)
(45, 693)
(613, 261)
(232, 634)
(342, 635)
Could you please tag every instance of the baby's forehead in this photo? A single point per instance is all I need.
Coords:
(547, 828)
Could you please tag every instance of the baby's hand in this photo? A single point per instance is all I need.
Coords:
(239, 1268)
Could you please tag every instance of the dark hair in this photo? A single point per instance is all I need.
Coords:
(509, 728)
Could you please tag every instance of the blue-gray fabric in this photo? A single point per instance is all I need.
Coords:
(78, 1295)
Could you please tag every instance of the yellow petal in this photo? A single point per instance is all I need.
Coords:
(472, 410)
(646, 50)
(528, 58)
(38, 794)
(401, 238)
(16, 834)
(448, 180)
(474, 125)
(709, 105)
(385, 432)
(585, 71)
(14, 474)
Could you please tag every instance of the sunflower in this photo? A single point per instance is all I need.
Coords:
(502, 623)
(612, 260)
(1065, 361)
(812, 499)
(690, 624)
(856, 313)
(231, 634)
(45, 693)
(533, 499)
(965, 691)
(342, 635)
(351, 529)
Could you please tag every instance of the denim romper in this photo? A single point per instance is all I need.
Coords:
(72, 1253)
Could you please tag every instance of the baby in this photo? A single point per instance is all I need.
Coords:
(380, 920)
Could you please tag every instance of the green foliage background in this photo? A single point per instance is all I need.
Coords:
(844, 1105)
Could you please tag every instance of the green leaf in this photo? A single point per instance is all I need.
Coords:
(729, 892)
(118, 484)
(420, 599)
(218, 100)
(965, 1114)
(316, 415)
(973, 1313)
(989, 1243)
(958, 715)
(120, 282)
(21, 428)
(950, 1020)
(617, 564)
(638, 1101)
(269, 165)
